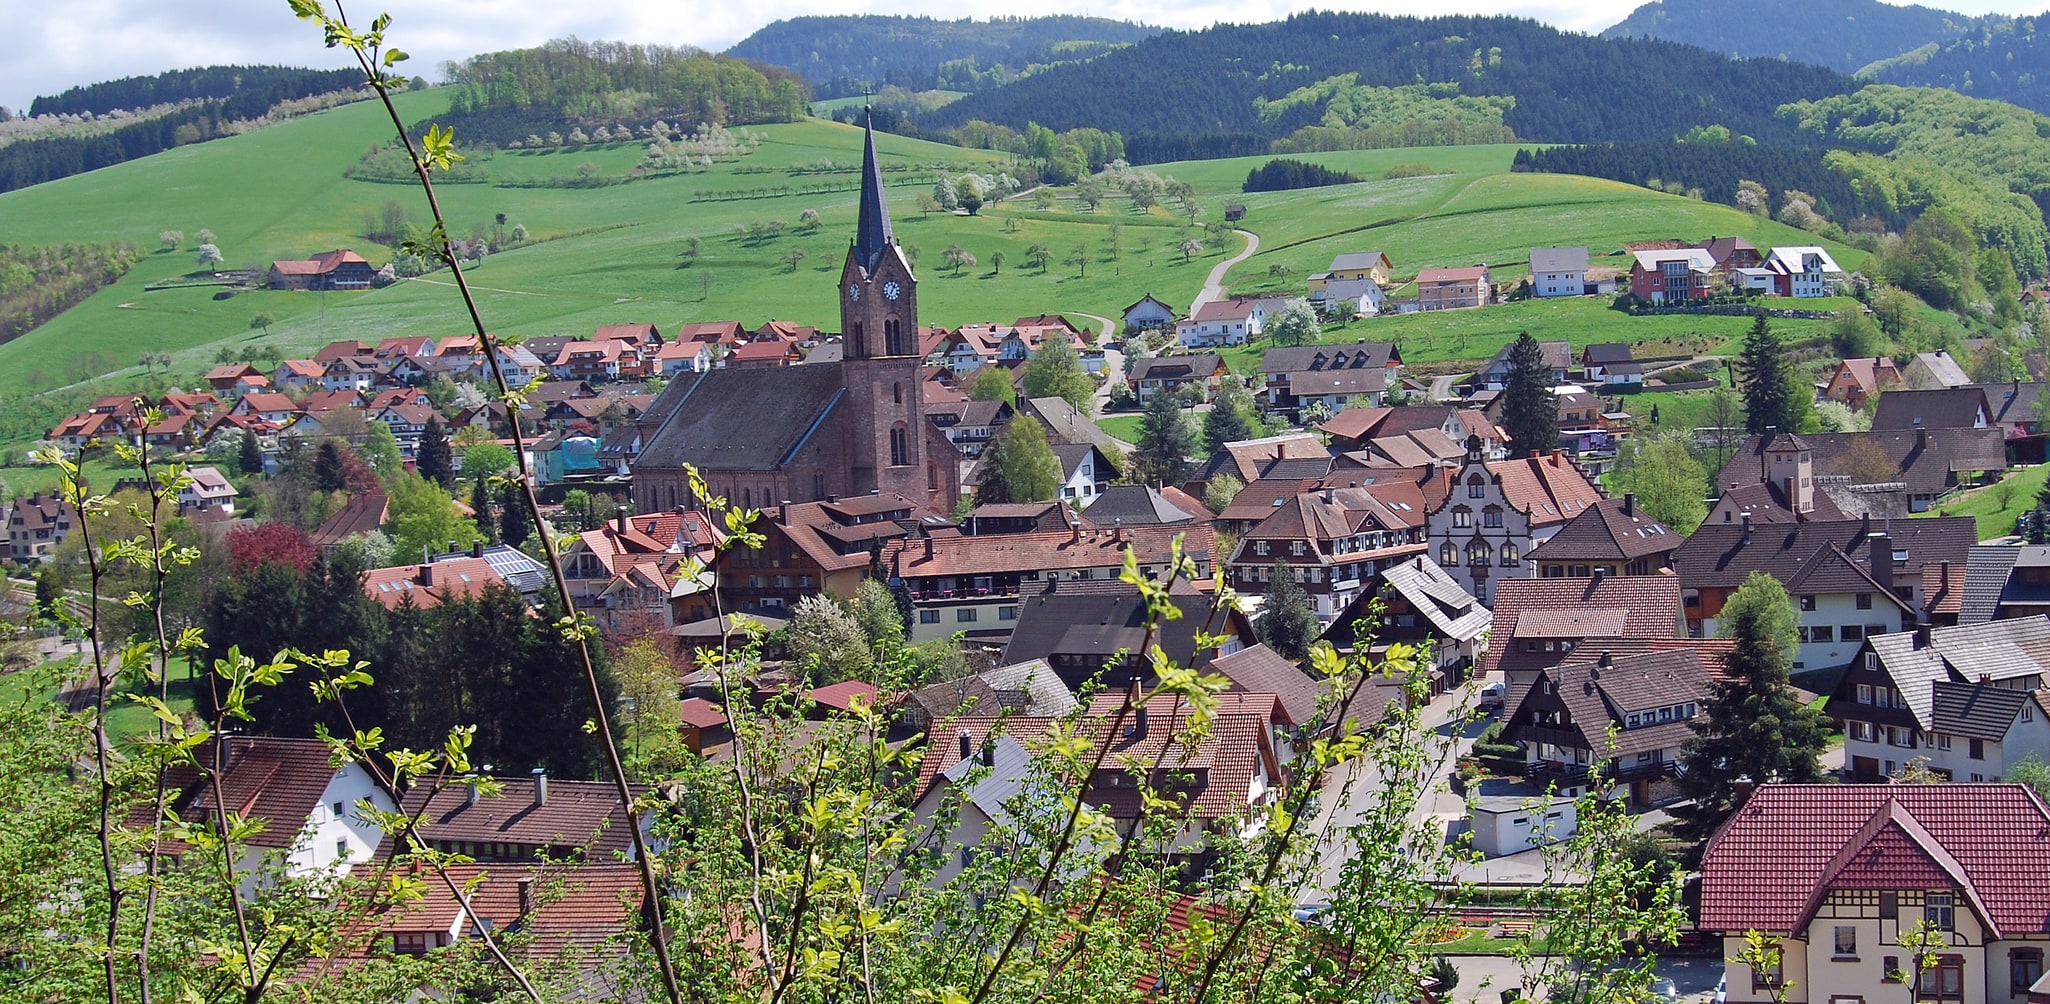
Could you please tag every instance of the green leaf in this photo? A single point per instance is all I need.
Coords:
(394, 56)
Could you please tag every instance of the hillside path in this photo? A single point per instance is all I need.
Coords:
(1213, 289)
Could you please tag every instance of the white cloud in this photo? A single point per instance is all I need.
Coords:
(48, 47)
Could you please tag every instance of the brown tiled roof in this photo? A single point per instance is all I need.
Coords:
(1601, 696)
(1790, 844)
(586, 907)
(1549, 487)
(577, 814)
(1949, 408)
(1943, 588)
(428, 585)
(1716, 556)
(1043, 551)
(277, 780)
(1096, 618)
(1355, 423)
(1651, 606)
(361, 514)
(700, 713)
(1765, 502)
(1261, 670)
(1608, 531)
(1829, 570)
(841, 696)
(1925, 467)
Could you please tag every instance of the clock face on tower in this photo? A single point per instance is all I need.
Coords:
(892, 290)
(853, 291)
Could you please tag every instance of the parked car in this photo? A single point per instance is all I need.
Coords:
(1492, 697)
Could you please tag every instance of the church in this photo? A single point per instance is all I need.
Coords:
(765, 436)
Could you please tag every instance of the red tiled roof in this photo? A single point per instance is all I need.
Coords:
(699, 713)
(1549, 487)
(1043, 551)
(277, 780)
(1790, 844)
(577, 814)
(586, 907)
(1650, 605)
(840, 696)
(429, 584)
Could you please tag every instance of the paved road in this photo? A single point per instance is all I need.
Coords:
(1213, 288)
(1484, 977)
(1441, 388)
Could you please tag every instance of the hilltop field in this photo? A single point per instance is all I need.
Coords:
(616, 253)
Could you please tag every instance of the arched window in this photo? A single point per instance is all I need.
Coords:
(1491, 516)
(1462, 516)
(1476, 487)
(932, 477)
(1509, 555)
(900, 447)
(860, 346)
(893, 337)
(1448, 554)
(1478, 552)
(897, 393)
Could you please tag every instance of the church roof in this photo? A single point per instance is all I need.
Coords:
(872, 234)
(745, 418)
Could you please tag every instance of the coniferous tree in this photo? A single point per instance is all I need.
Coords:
(1752, 728)
(329, 472)
(513, 525)
(434, 461)
(1771, 392)
(1165, 442)
(250, 459)
(480, 503)
(1287, 625)
(1530, 413)
(1226, 421)
(992, 482)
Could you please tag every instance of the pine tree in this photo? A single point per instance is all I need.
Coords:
(1165, 442)
(434, 461)
(992, 484)
(1226, 421)
(513, 526)
(329, 473)
(1530, 413)
(1752, 728)
(1287, 624)
(251, 458)
(480, 502)
(2039, 518)
(1772, 397)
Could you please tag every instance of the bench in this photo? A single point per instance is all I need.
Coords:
(1516, 928)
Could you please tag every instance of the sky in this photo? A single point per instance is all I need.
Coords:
(48, 47)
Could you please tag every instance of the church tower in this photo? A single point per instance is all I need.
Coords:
(880, 357)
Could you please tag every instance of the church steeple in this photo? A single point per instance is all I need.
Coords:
(872, 232)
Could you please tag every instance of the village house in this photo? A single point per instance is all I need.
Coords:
(1850, 579)
(1494, 374)
(1494, 512)
(340, 269)
(1681, 275)
(976, 584)
(1294, 377)
(1969, 700)
(428, 584)
(1566, 716)
(1197, 376)
(36, 526)
(1362, 297)
(1222, 322)
(1077, 626)
(1357, 266)
(1148, 314)
(1027, 688)
(1421, 604)
(1145, 505)
(1541, 623)
(1558, 271)
(970, 425)
(1926, 463)
(811, 548)
(1222, 782)
(578, 911)
(230, 379)
(1803, 271)
(1612, 365)
(206, 489)
(1949, 408)
(532, 817)
(1085, 471)
(1455, 288)
(1613, 536)
(1856, 381)
(1835, 874)
(1732, 253)
(311, 824)
(1934, 371)
(1333, 542)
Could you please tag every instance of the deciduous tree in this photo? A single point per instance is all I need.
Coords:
(1056, 371)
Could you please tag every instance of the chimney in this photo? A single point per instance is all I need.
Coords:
(1921, 437)
(426, 553)
(223, 754)
(526, 895)
(1607, 660)
(619, 520)
(1985, 679)
(928, 547)
(967, 745)
(1599, 571)
(1742, 789)
(1747, 528)
(1630, 504)
(477, 548)
(470, 792)
(1330, 496)
(1921, 636)
(989, 751)
(427, 575)
(1881, 559)
(540, 786)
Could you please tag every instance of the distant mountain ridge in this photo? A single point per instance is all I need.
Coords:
(840, 55)
(1995, 56)
(1182, 95)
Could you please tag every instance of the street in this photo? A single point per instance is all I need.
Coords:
(1484, 977)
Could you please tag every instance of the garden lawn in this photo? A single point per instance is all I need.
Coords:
(1996, 506)
(1124, 426)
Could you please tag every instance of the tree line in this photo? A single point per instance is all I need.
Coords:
(845, 56)
(244, 91)
(1283, 173)
(38, 283)
(501, 97)
(1182, 86)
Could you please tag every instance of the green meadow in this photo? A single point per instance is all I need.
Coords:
(616, 253)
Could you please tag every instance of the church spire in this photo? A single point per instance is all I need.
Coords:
(872, 232)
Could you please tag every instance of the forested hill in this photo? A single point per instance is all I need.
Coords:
(842, 55)
(251, 88)
(1844, 35)
(1996, 57)
(1233, 89)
